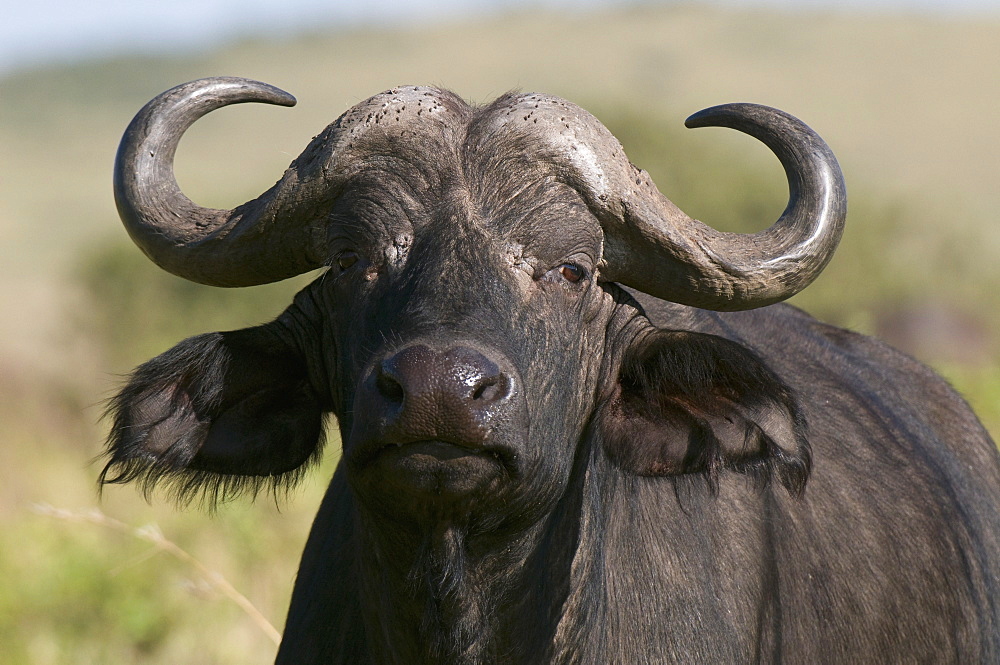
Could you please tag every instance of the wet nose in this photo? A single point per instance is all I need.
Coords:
(451, 395)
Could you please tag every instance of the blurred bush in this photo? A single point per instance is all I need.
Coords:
(133, 310)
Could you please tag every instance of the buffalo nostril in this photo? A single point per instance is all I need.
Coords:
(491, 389)
(481, 390)
(389, 387)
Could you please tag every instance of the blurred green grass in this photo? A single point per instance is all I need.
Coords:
(82, 306)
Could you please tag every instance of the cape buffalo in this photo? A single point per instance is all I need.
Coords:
(576, 428)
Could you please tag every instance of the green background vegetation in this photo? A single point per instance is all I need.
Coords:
(908, 103)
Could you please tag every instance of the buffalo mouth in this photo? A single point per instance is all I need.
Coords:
(430, 450)
(440, 450)
(434, 466)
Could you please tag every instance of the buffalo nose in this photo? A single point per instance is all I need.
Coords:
(452, 394)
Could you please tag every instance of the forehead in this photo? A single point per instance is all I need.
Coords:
(427, 157)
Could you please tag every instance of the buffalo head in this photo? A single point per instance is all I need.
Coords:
(469, 332)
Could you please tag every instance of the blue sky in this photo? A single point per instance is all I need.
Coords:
(42, 31)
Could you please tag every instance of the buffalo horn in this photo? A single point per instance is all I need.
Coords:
(239, 247)
(659, 250)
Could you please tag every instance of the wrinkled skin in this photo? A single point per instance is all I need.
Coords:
(629, 484)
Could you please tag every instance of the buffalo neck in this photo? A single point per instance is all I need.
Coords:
(454, 591)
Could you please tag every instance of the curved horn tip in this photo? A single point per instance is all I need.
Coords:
(219, 247)
(722, 115)
(232, 86)
(729, 271)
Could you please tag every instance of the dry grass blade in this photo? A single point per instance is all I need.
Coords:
(151, 533)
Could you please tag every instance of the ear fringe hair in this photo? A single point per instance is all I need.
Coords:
(790, 471)
(774, 463)
(127, 455)
(694, 365)
(186, 487)
(127, 462)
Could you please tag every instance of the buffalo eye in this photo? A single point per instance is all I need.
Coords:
(347, 259)
(571, 272)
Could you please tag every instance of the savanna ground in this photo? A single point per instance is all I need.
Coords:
(908, 103)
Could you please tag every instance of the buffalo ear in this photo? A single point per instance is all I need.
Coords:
(219, 414)
(690, 403)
